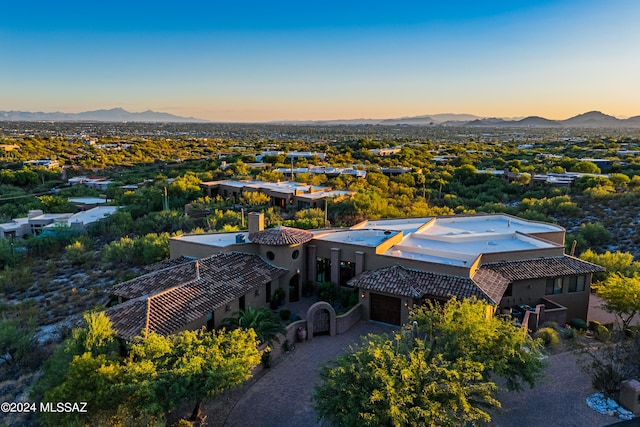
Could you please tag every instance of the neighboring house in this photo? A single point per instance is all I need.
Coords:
(37, 221)
(325, 170)
(283, 194)
(383, 152)
(511, 263)
(86, 203)
(45, 163)
(97, 182)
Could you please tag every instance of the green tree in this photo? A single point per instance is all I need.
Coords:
(380, 384)
(438, 372)
(585, 167)
(467, 329)
(203, 364)
(614, 262)
(254, 198)
(157, 375)
(622, 296)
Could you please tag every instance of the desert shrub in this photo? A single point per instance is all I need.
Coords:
(9, 256)
(77, 253)
(553, 325)
(14, 279)
(579, 324)
(549, 337)
(137, 251)
(601, 333)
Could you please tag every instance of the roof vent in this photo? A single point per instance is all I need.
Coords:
(240, 238)
(492, 243)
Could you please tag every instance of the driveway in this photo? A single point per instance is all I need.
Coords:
(282, 397)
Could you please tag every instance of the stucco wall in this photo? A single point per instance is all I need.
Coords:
(346, 321)
(531, 291)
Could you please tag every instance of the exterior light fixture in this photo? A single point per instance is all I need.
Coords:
(257, 292)
(227, 307)
(363, 295)
(406, 303)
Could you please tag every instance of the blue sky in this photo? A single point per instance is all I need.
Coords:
(257, 61)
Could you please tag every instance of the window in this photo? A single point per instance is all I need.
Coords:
(347, 271)
(554, 286)
(295, 254)
(323, 270)
(270, 256)
(576, 283)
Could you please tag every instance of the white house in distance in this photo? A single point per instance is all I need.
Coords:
(37, 221)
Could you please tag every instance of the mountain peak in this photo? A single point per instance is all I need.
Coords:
(117, 114)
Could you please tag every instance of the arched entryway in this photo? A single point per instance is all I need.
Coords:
(321, 319)
(294, 288)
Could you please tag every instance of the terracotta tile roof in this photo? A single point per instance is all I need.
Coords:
(168, 263)
(542, 267)
(406, 282)
(491, 283)
(218, 280)
(281, 236)
(156, 281)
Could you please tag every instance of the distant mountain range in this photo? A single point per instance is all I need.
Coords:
(112, 115)
(592, 119)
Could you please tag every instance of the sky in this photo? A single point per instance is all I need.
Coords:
(246, 61)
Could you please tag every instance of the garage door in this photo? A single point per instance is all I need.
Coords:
(385, 309)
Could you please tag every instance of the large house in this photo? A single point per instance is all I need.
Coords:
(283, 194)
(514, 264)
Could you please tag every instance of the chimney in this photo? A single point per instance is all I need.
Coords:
(256, 222)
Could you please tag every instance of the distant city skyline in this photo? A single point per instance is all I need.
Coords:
(257, 61)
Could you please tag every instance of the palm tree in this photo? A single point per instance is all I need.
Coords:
(262, 321)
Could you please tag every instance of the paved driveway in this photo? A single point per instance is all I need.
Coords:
(282, 397)
(557, 400)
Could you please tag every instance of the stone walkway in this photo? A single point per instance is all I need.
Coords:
(282, 397)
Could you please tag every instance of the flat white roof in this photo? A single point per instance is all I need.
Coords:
(407, 225)
(92, 215)
(485, 225)
(323, 194)
(214, 239)
(88, 200)
(473, 244)
(370, 238)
